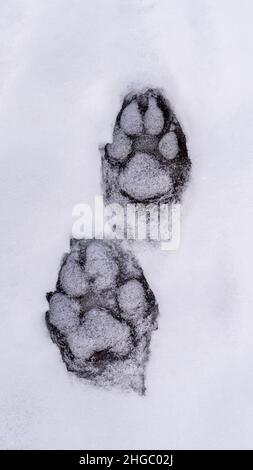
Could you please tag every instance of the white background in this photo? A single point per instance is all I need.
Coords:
(65, 66)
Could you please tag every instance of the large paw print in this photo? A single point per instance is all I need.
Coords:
(102, 314)
(148, 159)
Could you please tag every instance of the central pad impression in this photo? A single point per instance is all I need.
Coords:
(144, 178)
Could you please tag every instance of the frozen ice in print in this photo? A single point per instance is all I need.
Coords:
(147, 160)
(102, 314)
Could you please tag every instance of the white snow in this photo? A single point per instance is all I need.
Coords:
(65, 67)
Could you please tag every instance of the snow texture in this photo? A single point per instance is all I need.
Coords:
(65, 69)
(102, 315)
(148, 158)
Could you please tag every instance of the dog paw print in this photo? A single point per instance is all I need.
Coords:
(147, 159)
(102, 314)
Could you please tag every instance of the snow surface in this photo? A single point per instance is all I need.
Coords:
(65, 67)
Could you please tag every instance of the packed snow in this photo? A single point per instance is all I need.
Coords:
(65, 68)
